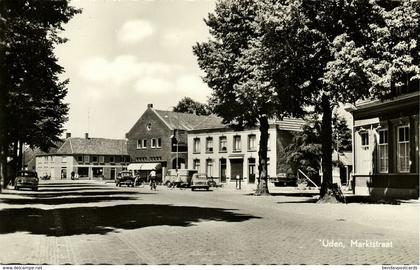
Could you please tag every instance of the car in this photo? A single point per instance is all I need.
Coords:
(26, 179)
(125, 178)
(284, 180)
(199, 180)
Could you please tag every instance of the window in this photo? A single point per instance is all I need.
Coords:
(111, 159)
(86, 158)
(139, 144)
(101, 159)
(365, 139)
(209, 145)
(94, 158)
(196, 146)
(153, 143)
(159, 143)
(79, 158)
(209, 167)
(268, 142)
(144, 144)
(237, 143)
(383, 151)
(222, 144)
(403, 149)
(196, 164)
(252, 142)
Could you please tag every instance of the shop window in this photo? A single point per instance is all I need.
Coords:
(383, 151)
(403, 149)
(209, 167)
(196, 164)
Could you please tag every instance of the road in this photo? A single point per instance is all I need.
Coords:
(83, 222)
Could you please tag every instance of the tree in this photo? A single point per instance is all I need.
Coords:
(341, 134)
(304, 152)
(325, 52)
(188, 105)
(32, 109)
(239, 95)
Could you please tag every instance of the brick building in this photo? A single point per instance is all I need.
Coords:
(89, 158)
(158, 140)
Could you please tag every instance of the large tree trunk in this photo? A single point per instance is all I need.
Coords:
(262, 187)
(328, 192)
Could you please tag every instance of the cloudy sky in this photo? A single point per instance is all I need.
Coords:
(122, 55)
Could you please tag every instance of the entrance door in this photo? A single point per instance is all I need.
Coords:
(223, 170)
(112, 173)
(251, 170)
(236, 168)
(63, 173)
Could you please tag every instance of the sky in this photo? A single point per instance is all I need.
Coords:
(123, 55)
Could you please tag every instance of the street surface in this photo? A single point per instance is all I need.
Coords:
(86, 222)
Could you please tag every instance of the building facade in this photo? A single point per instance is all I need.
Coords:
(86, 158)
(158, 140)
(386, 147)
(225, 154)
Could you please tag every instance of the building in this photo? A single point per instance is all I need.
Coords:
(386, 146)
(158, 140)
(88, 158)
(225, 154)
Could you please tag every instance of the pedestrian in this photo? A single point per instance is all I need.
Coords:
(152, 177)
(72, 175)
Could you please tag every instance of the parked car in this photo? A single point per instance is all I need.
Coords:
(26, 179)
(199, 180)
(284, 179)
(125, 178)
(181, 177)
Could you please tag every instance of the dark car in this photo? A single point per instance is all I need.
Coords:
(26, 179)
(284, 180)
(125, 178)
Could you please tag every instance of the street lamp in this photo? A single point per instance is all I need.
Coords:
(176, 134)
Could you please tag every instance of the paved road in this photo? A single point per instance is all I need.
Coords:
(92, 223)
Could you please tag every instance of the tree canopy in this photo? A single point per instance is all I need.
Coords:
(188, 105)
(32, 93)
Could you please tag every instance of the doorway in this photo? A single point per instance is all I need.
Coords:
(223, 170)
(236, 168)
(251, 170)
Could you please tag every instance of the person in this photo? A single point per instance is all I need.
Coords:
(72, 175)
(152, 177)
(176, 181)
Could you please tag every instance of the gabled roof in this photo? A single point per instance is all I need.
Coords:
(290, 124)
(93, 146)
(186, 121)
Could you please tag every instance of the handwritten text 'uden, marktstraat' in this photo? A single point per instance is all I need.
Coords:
(358, 243)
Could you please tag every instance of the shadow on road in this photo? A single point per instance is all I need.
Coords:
(65, 200)
(289, 194)
(305, 201)
(102, 220)
(37, 194)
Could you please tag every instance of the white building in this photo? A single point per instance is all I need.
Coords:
(225, 154)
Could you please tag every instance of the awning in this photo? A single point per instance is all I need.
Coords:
(142, 166)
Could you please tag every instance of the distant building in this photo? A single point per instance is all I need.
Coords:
(158, 140)
(88, 158)
(225, 154)
(386, 146)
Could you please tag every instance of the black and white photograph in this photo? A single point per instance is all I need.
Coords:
(276, 134)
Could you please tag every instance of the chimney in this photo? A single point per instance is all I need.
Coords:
(86, 135)
(68, 135)
(150, 105)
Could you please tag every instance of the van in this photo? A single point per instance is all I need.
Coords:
(184, 179)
